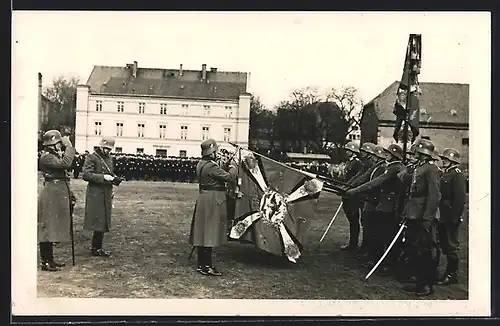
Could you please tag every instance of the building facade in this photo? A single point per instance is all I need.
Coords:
(166, 112)
(444, 117)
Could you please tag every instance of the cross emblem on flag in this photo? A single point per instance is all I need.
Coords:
(276, 207)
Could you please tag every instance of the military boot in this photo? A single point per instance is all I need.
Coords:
(424, 291)
(451, 274)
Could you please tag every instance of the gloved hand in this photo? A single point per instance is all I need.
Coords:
(66, 142)
(351, 192)
(108, 177)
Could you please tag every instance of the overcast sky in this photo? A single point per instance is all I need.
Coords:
(281, 51)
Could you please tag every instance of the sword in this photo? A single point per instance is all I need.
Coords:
(387, 250)
(72, 206)
(331, 222)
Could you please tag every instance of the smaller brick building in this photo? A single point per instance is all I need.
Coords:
(444, 116)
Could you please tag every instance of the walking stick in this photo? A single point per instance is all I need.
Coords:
(387, 251)
(331, 222)
(71, 233)
(191, 253)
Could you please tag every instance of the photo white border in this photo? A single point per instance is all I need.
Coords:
(24, 195)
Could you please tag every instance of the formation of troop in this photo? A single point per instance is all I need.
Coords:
(426, 199)
(161, 168)
(385, 188)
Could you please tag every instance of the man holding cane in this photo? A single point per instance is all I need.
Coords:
(56, 198)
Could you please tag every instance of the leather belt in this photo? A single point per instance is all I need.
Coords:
(212, 188)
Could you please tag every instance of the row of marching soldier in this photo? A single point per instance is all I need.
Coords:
(384, 193)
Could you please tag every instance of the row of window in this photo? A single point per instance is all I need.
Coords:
(164, 108)
(162, 131)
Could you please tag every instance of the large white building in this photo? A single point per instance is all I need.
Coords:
(162, 111)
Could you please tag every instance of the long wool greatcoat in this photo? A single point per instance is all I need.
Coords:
(209, 223)
(98, 196)
(55, 198)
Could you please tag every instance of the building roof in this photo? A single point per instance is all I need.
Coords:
(308, 156)
(439, 103)
(167, 82)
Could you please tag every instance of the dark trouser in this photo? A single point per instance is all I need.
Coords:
(449, 245)
(204, 256)
(421, 238)
(351, 209)
(385, 229)
(97, 239)
(46, 252)
(367, 221)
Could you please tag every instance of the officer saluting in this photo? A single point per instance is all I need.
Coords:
(352, 206)
(56, 198)
(420, 213)
(451, 208)
(209, 223)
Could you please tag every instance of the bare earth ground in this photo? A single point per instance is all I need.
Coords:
(150, 229)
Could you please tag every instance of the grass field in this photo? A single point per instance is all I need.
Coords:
(150, 229)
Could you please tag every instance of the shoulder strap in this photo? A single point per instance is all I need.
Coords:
(102, 160)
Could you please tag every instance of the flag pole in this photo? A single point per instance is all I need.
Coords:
(407, 102)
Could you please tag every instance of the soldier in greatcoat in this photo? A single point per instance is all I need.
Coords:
(56, 197)
(451, 208)
(420, 214)
(389, 184)
(98, 172)
(209, 222)
(352, 206)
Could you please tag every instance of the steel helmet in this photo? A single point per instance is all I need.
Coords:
(451, 154)
(51, 137)
(107, 142)
(208, 147)
(367, 147)
(395, 150)
(352, 147)
(379, 151)
(425, 147)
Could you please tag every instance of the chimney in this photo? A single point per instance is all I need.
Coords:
(134, 69)
(180, 70)
(203, 72)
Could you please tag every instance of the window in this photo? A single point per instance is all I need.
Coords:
(119, 129)
(140, 151)
(204, 133)
(161, 152)
(163, 108)
(184, 130)
(206, 110)
(98, 106)
(163, 131)
(118, 150)
(140, 130)
(185, 108)
(120, 106)
(227, 134)
(141, 107)
(182, 153)
(229, 112)
(465, 141)
(97, 128)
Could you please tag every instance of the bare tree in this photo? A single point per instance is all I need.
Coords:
(350, 104)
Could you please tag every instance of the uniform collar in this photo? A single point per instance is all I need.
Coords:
(451, 167)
